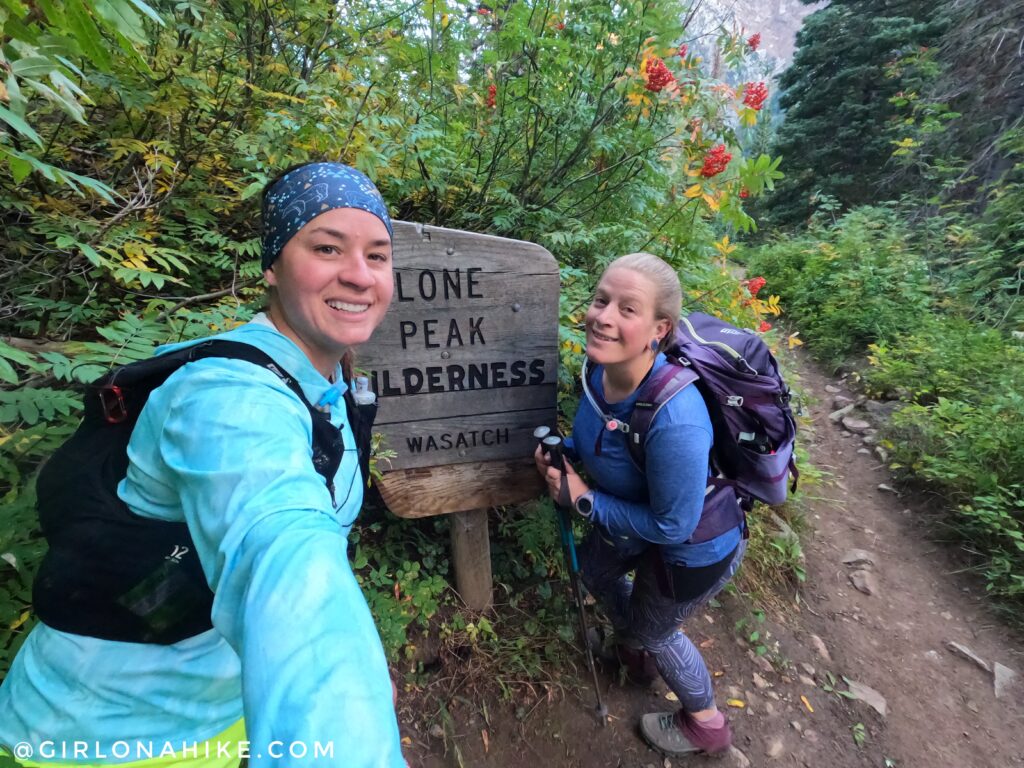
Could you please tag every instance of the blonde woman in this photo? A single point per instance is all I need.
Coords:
(644, 520)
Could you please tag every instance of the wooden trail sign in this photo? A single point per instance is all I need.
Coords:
(465, 366)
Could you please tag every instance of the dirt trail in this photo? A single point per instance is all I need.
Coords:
(941, 711)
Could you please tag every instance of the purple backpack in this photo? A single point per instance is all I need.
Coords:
(754, 428)
(746, 397)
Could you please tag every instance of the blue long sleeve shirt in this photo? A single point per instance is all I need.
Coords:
(225, 446)
(663, 504)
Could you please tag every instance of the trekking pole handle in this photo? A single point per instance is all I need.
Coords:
(552, 447)
(540, 433)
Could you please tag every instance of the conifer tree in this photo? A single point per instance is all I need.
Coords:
(836, 138)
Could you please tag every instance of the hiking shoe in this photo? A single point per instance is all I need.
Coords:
(676, 734)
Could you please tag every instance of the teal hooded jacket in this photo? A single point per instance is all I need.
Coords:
(225, 446)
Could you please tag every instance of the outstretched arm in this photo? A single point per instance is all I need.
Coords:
(313, 669)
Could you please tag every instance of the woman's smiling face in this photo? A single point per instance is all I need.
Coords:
(621, 323)
(333, 283)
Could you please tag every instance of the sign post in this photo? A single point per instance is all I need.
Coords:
(464, 367)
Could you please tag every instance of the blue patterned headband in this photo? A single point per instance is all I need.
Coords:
(301, 195)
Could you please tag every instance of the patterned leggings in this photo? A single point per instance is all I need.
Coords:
(640, 611)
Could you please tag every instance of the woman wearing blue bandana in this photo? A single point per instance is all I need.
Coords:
(293, 672)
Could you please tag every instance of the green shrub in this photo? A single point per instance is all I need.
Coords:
(984, 265)
(994, 523)
(966, 415)
(961, 432)
(942, 357)
(967, 445)
(962, 446)
(850, 285)
(22, 548)
(402, 567)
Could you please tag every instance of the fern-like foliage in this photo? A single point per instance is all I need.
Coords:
(129, 339)
(30, 406)
(9, 357)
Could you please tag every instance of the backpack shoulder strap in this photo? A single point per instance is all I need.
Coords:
(664, 384)
(122, 392)
(238, 350)
(327, 442)
(154, 371)
(361, 419)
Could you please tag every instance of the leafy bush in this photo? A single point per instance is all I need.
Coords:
(850, 285)
(943, 357)
(22, 549)
(962, 435)
(964, 447)
(994, 522)
(981, 257)
(402, 566)
(962, 427)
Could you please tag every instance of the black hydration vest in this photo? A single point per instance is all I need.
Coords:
(112, 574)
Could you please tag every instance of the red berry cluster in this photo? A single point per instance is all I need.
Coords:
(754, 95)
(754, 40)
(755, 284)
(764, 326)
(492, 96)
(744, 193)
(715, 161)
(658, 75)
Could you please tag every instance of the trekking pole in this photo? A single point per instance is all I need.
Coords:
(551, 445)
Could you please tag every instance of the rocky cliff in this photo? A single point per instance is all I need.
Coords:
(776, 20)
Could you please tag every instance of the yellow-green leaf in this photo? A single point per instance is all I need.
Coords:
(19, 125)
